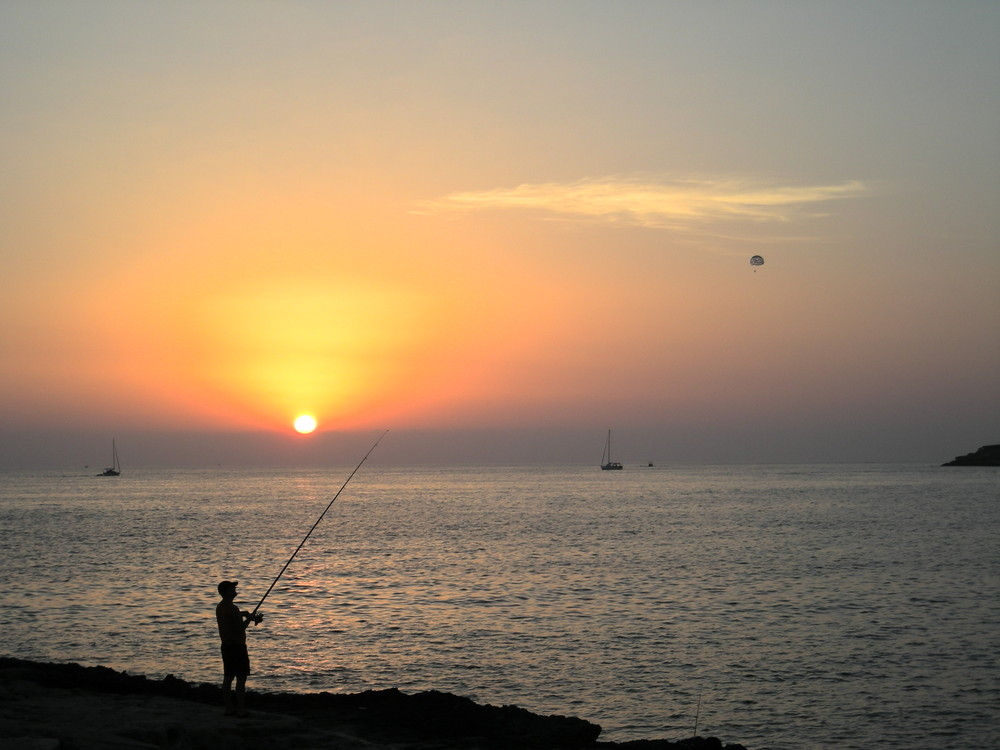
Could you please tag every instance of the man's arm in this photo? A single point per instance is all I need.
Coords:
(231, 625)
(248, 617)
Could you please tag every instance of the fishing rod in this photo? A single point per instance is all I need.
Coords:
(253, 614)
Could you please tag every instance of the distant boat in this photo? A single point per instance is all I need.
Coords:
(115, 468)
(606, 463)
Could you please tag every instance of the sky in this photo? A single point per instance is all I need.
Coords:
(499, 230)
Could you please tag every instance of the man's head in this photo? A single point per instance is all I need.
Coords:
(227, 589)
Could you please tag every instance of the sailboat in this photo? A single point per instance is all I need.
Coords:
(115, 468)
(606, 463)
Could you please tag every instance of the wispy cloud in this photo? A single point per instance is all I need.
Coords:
(673, 204)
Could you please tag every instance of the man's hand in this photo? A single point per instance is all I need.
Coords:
(254, 617)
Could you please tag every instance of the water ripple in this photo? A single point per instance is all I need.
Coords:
(788, 607)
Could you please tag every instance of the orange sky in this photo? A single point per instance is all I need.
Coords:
(465, 219)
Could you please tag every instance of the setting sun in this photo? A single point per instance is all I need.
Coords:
(305, 424)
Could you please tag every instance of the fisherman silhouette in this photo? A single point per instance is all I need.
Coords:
(235, 659)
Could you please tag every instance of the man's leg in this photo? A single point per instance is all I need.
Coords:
(227, 693)
(241, 694)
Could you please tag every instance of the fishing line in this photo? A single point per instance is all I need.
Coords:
(329, 505)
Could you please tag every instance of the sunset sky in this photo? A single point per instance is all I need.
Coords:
(498, 230)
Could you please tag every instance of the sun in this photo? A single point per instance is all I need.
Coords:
(305, 424)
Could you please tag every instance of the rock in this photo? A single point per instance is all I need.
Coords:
(692, 743)
(173, 713)
(988, 455)
(30, 743)
(71, 707)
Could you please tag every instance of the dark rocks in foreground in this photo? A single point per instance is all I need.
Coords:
(988, 455)
(429, 720)
(692, 743)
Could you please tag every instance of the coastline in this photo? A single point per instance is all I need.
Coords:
(48, 706)
(986, 455)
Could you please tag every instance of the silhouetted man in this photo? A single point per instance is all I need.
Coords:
(235, 659)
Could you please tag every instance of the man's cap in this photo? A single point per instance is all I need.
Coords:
(224, 586)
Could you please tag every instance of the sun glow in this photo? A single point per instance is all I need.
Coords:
(305, 424)
(358, 333)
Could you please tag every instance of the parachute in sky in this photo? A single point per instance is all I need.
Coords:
(756, 261)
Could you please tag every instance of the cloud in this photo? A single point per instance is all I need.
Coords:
(676, 204)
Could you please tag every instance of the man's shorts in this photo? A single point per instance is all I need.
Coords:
(235, 659)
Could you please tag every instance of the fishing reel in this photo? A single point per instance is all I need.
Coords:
(257, 617)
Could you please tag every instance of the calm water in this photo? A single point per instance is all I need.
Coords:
(804, 606)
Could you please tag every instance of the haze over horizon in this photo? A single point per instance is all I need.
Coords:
(498, 230)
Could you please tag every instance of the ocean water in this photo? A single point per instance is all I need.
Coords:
(782, 607)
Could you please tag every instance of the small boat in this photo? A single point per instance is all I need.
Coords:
(115, 469)
(606, 463)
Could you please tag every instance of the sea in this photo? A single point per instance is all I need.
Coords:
(779, 606)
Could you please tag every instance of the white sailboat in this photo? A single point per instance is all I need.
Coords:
(115, 469)
(606, 463)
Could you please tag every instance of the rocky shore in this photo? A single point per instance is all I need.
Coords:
(70, 707)
(988, 455)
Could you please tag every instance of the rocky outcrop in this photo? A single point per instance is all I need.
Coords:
(80, 708)
(988, 455)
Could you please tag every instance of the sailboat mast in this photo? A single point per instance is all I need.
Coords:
(606, 460)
